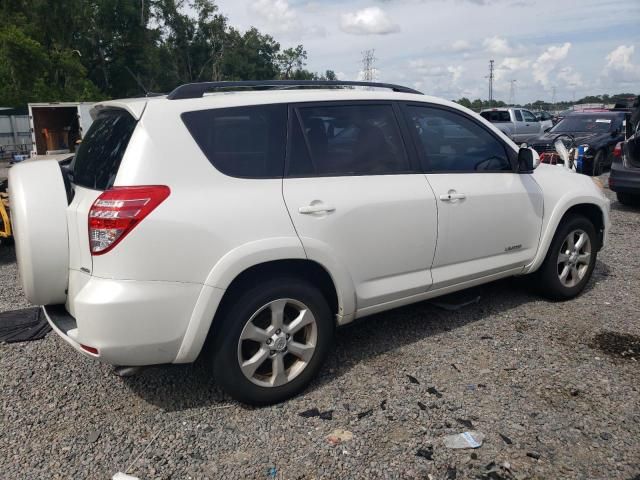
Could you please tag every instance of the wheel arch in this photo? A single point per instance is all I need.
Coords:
(213, 299)
(580, 206)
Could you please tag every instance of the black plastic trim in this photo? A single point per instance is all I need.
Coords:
(197, 90)
(60, 317)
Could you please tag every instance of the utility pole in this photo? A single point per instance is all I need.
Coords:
(142, 13)
(368, 69)
(512, 91)
(490, 82)
(553, 97)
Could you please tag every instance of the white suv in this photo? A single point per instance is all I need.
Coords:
(255, 222)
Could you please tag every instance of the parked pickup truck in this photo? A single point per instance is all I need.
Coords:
(517, 123)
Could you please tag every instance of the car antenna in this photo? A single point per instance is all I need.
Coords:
(147, 93)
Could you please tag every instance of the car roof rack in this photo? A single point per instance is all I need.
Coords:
(197, 90)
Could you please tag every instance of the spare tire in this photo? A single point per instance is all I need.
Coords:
(38, 202)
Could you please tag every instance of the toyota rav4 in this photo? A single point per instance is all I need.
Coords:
(254, 221)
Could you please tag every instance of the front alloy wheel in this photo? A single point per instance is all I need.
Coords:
(574, 258)
(570, 259)
(277, 342)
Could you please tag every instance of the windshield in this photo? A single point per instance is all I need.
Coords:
(585, 123)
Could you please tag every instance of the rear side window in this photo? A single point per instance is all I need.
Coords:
(98, 158)
(246, 142)
(518, 115)
(496, 117)
(346, 140)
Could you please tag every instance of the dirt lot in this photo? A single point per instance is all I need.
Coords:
(550, 385)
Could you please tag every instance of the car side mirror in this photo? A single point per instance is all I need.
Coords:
(528, 160)
(547, 129)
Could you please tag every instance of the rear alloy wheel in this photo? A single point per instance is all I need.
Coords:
(271, 341)
(570, 259)
(277, 342)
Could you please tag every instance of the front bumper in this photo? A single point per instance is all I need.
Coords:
(624, 179)
(127, 322)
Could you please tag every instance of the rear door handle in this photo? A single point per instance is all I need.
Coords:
(452, 196)
(316, 208)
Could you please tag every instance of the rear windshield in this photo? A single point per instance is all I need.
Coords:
(98, 158)
(588, 123)
(499, 116)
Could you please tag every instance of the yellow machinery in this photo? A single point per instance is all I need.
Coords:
(5, 223)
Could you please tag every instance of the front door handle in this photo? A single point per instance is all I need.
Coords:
(316, 208)
(452, 196)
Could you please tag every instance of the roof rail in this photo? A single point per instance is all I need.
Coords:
(197, 90)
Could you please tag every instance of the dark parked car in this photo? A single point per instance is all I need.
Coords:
(625, 170)
(597, 132)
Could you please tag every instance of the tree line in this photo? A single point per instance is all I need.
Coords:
(84, 50)
(620, 98)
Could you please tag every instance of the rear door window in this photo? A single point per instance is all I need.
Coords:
(98, 158)
(496, 116)
(336, 140)
(518, 115)
(246, 142)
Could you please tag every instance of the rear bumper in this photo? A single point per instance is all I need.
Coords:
(128, 322)
(624, 179)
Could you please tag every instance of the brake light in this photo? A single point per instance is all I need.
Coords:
(117, 211)
(617, 151)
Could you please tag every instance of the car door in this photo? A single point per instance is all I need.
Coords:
(357, 200)
(489, 216)
(531, 124)
(519, 128)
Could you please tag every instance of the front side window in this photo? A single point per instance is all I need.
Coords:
(246, 142)
(528, 116)
(346, 140)
(452, 142)
(518, 115)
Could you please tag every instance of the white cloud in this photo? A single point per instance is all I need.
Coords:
(497, 45)
(548, 61)
(281, 18)
(277, 13)
(619, 63)
(460, 46)
(368, 21)
(510, 65)
(569, 76)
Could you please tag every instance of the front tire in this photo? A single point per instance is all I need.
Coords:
(570, 259)
(272, 340)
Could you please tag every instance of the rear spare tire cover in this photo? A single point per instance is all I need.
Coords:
(38, 203)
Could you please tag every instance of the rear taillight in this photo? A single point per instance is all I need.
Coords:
(617, 151)
(117, 211)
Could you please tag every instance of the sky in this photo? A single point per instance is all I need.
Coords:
(443, 47)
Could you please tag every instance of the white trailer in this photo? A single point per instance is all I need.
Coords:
(57, 127)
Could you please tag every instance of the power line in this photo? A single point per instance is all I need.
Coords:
(490, 82)
(368, 68)
(512, 91)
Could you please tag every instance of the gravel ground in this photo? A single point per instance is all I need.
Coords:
(526, 373)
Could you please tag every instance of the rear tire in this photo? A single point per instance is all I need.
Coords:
(570, 259)
(628, 199)
(261, 354)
